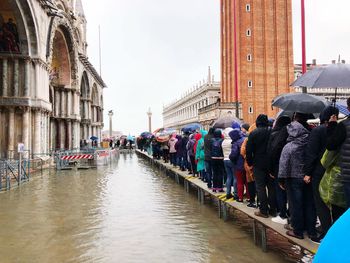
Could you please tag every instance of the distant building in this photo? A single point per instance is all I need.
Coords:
(115, 134)
(185, 110)
(256, 54)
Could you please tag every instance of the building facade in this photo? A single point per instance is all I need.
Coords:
(51, 97)
(185, 110)
(256, 53)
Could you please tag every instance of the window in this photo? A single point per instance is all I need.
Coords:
(250, 83)
(249, 57)
(249, 32)
(250, 110)
(247, 7)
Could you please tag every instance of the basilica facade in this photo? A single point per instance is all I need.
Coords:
(51, 97)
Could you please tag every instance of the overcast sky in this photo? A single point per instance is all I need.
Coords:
(155, 50)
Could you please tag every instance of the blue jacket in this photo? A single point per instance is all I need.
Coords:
(237, 140)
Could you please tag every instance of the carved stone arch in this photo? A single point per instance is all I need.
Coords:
(26, 26)
(63, 25)
(84, 86)
(94, 95)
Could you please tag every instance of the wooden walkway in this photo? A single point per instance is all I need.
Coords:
(259, 225)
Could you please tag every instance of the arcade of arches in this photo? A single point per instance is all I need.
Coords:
(50, 95)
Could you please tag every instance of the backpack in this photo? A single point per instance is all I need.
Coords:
(216, 148)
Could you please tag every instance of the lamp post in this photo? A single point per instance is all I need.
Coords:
(110, 114)
(149, 113)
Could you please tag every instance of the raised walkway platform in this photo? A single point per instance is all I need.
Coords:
(260, 226)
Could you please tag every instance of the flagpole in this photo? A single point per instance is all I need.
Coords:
(303, 46)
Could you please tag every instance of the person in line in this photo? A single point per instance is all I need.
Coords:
(207, 157)
(291, 177)
(314, 170)
(339, 139)
(237, 160)
(229, 167)
(172, 150)
(249, 171)
(183, 157)
(256, 153)
(197, 137)
(200, 156)
(191, 154)
(278, 139)
(165, 151)
(217, 158)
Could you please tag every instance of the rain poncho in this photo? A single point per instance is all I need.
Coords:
(200, 156)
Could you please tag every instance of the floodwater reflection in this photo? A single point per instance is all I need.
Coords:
(124, 212)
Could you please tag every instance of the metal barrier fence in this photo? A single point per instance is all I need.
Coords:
(13, 171)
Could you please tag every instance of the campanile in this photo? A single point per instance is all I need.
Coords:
(256, 53)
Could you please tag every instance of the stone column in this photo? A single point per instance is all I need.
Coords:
(57, 103)
(16, 78)
(75, 132)
(11, 133)
(69, 134)
(62, 134)
(25, 130)
(37, 131)
(52, 138)
(63, 107)
(26, 78)
(85, 112)
(69, 103)
(4, 77)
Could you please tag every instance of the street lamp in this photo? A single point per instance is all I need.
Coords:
(110, 114)
(149, 113)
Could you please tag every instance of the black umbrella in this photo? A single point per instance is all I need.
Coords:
(300, 102)
(226, 121)
(330, 76)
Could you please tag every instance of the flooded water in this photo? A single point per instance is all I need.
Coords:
(125, 212)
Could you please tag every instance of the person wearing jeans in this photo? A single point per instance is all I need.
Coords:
(231, 180)
(291, 177)
(230, 172)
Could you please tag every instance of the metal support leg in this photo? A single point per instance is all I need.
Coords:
(263, 239)
(202, 197)
(255, 228)
(224, 211)
(220, 208)
(199, 194)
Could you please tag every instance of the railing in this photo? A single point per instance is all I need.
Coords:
(13, 171)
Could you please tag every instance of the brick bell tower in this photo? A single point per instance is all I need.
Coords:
(256, 53)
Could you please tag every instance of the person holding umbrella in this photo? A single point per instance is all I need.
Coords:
(314, 170)
(340, 140)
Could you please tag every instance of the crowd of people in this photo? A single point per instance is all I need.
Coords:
(273, 166)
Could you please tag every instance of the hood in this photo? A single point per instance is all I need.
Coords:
(236, 134)
(217, 133)
(327, 113)
(297, 132)
(211, 131)
(282, 122)
(197, 136)
(226, 133)
(252, 128)
(203, 133)
(262, 121)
